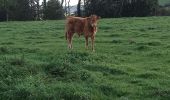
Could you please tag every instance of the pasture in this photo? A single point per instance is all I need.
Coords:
(131, 62)
(163, 2)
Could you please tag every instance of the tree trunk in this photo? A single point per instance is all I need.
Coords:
(38, 10)
(79, 8)
(69, 7)
(62, 1)
(45, 7)
(6, 8)
(65, 7)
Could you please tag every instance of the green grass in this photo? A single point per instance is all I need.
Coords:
(163, 2)
(131, 61)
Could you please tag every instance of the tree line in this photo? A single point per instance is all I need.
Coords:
(58, 9)
(30, 10)
(121, 8)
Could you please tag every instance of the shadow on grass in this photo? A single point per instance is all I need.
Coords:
(12, 50)
(105, 70)
(148, 75)
(109, 90)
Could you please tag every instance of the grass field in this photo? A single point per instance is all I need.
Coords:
(163, 2)
(131, 62)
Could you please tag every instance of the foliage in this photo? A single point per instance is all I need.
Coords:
(3, 10)
(140, 8)
(121, 8)
(54, 10)
(29, 10)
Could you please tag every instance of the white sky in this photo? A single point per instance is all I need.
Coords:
(72, 2)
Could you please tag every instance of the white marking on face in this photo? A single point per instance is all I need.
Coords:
(95, 30)
(93, 24)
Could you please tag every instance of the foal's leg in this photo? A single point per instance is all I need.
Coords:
(70, 36)
(86, 44)
(92, 42)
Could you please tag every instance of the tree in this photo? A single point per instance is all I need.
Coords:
(79, 8)
(118, 8)
(32, 7)
(44, 8)
(54, 10)
(7, 10)
(140, 8)
(37, 10)
(62, 2)
(22, 10)
(2, 10)
(68, 7)
(16, 9)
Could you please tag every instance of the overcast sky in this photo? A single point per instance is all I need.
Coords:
(72, 2)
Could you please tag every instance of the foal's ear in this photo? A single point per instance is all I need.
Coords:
(98, 17)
